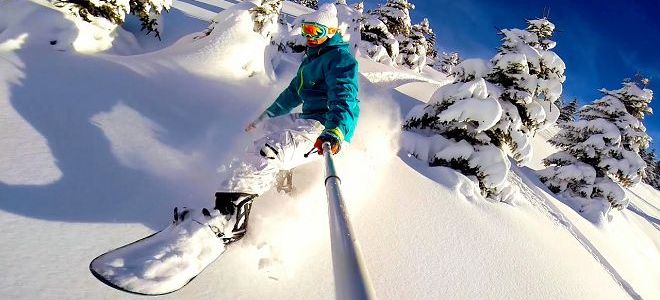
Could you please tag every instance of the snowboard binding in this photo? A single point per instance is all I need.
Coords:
(234, 210)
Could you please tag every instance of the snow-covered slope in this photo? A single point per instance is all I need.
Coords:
(97, 149)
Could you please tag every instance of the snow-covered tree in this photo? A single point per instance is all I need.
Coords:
(568, 111)
(350, 24)
(313, 4)
(288, 39)
(530, 76)
(115, 11)
(359, 7)
(377, 42)
(625, 107)
(652, 171)
(431, 50)
(551, 68)
(470, 69)
(412, 49)
(449, 132)
(600, 152)
(395, 14)
(544, 29)
(148, 12)
(266, 17)
(447, 62)
(267, 21)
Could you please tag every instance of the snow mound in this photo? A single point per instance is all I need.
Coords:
(47, 26)
(229, 49)
(232, 50)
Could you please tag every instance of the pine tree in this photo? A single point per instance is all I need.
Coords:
(544, 29)
(359, 7)
(531, 78)
(288, 38)
(313, 4)
(471, 69)
(396, 16)
(431, 51)
(455, 135)
(115, 11)
(651, 175)
(601, 152)
(350, 23)
(447, 62)
(655, 169)
(377, 42)
(625, 107)
(551, 69)
(412, 51)
(148, 11)
(266, 17)
(568, 111)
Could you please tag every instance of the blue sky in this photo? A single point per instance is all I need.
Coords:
(601, 42)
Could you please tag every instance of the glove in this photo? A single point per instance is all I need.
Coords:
(256, 122)
(333, 136)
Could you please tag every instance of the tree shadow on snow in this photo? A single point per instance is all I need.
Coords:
(62, 92)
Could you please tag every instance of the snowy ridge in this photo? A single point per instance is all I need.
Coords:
(218, 3)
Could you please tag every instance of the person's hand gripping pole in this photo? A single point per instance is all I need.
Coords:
(333, 136)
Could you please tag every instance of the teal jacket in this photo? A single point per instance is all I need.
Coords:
(326, 85)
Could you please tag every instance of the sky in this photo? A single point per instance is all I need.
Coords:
(602, 42)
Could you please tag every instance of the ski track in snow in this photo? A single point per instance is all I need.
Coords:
(218, 3)
(546, 207)
(644, 200)
(194, 11)
(640, 212)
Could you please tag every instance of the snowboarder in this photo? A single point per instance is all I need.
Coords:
(326, 85)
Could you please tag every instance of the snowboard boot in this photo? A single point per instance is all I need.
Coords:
(229, 219)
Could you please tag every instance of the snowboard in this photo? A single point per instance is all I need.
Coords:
(163, 262)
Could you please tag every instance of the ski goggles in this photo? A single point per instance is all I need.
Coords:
(312, 30)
